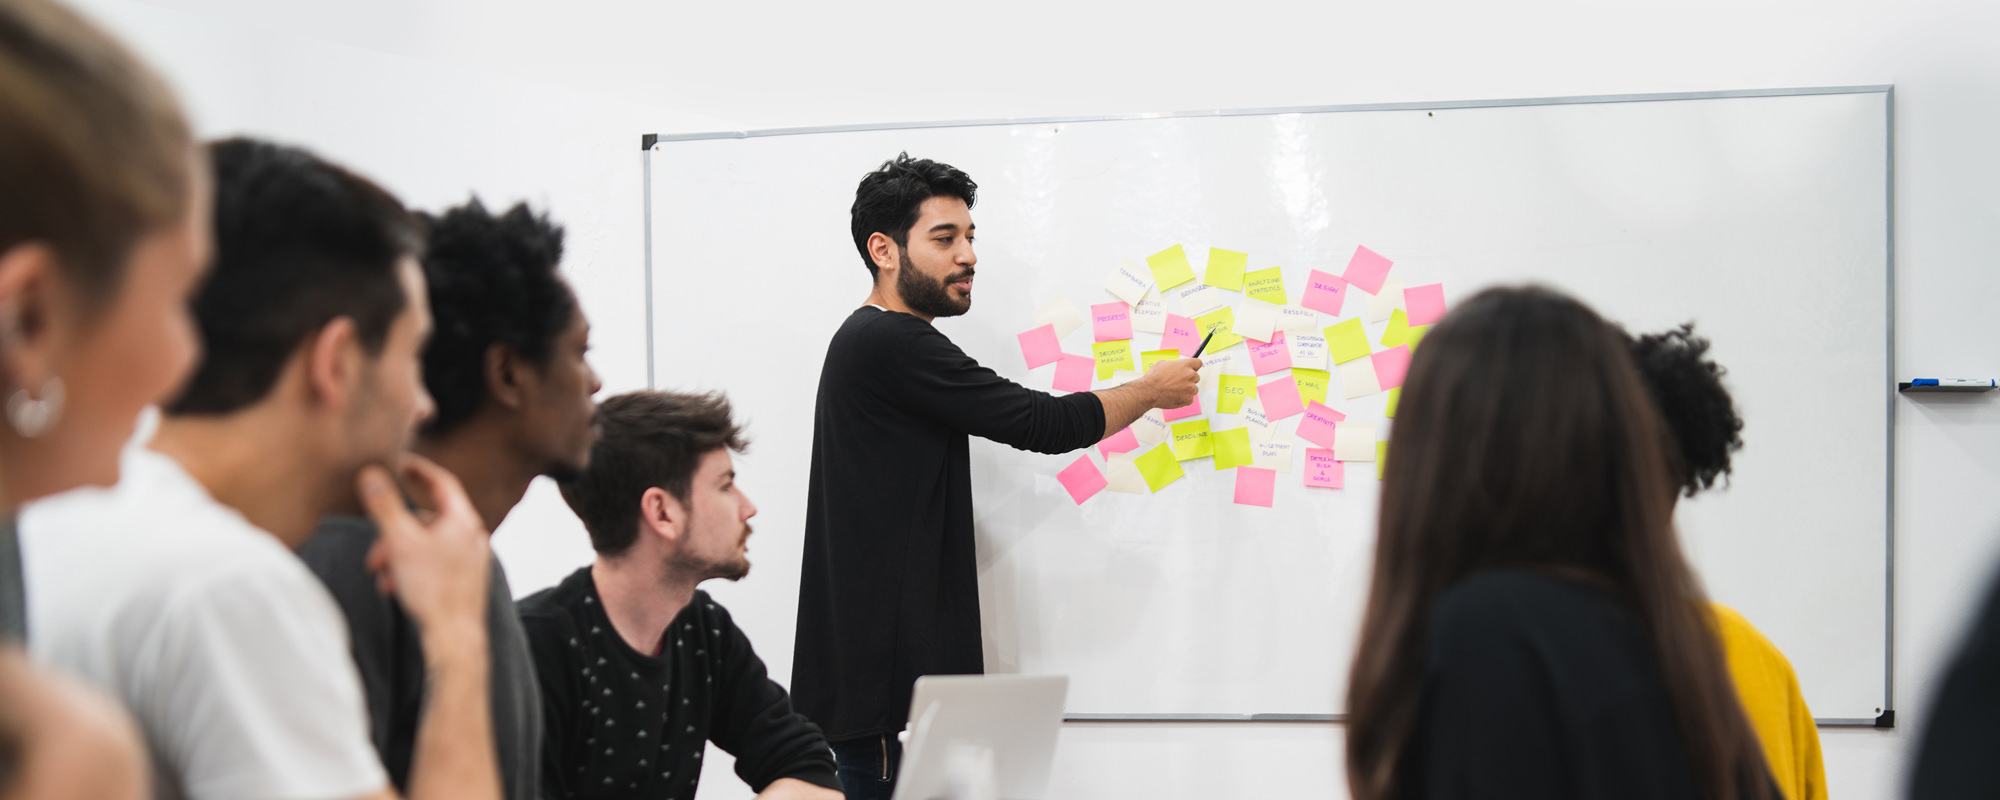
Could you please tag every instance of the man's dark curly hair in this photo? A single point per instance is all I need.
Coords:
(1687, 386)
(493, 280)
(889, 199)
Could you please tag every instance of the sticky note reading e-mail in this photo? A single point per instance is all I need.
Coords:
(1170, 267)
(1313, 383)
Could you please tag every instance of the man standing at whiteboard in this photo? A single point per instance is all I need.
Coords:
(890, 588)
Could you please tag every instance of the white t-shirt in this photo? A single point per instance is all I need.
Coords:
(229, 652)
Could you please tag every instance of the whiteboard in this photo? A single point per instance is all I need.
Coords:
(1762, 216)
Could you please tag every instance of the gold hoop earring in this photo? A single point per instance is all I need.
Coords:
(33, 416)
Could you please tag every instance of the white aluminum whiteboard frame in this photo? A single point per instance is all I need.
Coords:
(1887, 719)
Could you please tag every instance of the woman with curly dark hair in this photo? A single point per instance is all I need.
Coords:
(1705, 430)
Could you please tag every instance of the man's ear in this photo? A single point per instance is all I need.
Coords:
(661, 514)
(333, 363)
(504, 370)
(886, 255)
(27, 286)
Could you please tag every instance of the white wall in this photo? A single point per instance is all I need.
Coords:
(545, 101)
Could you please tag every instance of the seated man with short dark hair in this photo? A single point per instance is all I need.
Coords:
(639, 669)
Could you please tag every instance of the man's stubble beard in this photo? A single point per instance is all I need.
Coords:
(926, 296)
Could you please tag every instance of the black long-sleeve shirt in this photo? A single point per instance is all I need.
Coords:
(890, 586)
(1956, 756)
(624, 724)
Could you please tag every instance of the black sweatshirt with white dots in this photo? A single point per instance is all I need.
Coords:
(623, 724)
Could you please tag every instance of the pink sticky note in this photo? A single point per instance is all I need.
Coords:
(1254, 485)
(1317, 426)
(1323, 470)
(1124, 441)
(1073, 373)
(1182, 334)
(1082, 479)
(1271, 356)
(1111, 322)
(1391, 365)
(1425, 303)
(1190, 410)
(1280, 398)
(1324, 293)
(1040, 346)
(1367, 270)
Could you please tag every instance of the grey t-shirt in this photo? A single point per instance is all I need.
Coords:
(389, 654)
(13, 593)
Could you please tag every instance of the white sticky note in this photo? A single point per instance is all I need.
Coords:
(1272, 455)
(1149, 315)
(1213, 367)
(1060, 313)
(1292, 319)
(1308, 349)
(1255, 319)
(1382, 305)
(1261, 428)
(1152, 428)
(1353, 441)
(1129, 281)
(1198, 298)
(1357, 378)
(1121, 475)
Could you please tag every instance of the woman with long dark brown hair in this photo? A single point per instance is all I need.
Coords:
(1533, 629)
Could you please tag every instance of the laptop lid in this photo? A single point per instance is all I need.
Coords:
(966, 727)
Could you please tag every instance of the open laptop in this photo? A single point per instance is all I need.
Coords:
(969, 731)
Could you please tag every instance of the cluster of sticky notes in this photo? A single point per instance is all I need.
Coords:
(1261, 410)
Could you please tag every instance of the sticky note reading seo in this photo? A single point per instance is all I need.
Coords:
(1317, 425)
(1391, 365)
(1425, 303)
(1110, 322)
(1218, 322)
(1081, 479)
(1040, 346)
(1346, 341)
(1280, 398)
(1191, 440)
(1322, 470)
(1190, 410)
(1112, 356)
(1324, 293)
(1129, 281)
(1170, 267)
(1124, 441)
(1073, 373)
(1159, 467)
(1313, 383)
(1254, 486)
(1366, 270)
(1231, 391)
(1269, 357)
(1182, 334)
(1232, 447)
(1267, 285)
(1225, 269)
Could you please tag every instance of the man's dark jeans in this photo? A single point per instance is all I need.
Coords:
(868, 766)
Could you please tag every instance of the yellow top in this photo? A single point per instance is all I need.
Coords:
(1770, 694)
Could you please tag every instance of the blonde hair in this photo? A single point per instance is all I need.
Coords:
(94, 149)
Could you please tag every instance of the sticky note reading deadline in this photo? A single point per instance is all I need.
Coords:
(1159, 467)
(1267, 285)
(1191, 440)
(1112, 356)
(1170, 267)
(1254, 486)
(1231, 447)
(1081, 479)
(1225, 269)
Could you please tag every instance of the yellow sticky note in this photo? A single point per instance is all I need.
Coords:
(1159, 467)
(1394, 395)
(1381, 458)
(1151, 357)
(1267, 285)
(1225, 269)
(1400, 332)
(1191, 440)
(1312, 383)
(1346, 341)
(1232, 390)
(1112, 356)
(1218, 322)
(1170, 267)
(1232, 448)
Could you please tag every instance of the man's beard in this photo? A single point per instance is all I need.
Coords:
(732, 568)
(929, 297)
